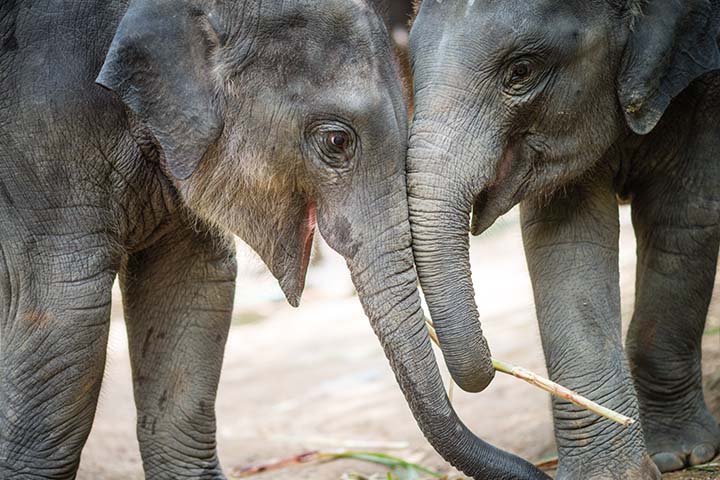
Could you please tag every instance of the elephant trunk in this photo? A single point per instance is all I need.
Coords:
(386, 281)
(440, 216)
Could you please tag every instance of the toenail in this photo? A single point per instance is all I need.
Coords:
(702, 453)
(668, 462)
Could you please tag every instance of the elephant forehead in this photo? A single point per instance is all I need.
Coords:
(503, 16)
(329, 17)
(323, 45)
(496, 27)
(319, 74)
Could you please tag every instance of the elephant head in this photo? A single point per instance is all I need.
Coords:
(274, 117)
(513, 100)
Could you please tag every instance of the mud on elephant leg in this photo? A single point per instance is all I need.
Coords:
(572, 252)
(178, 297)
(54, 324)
(678, 237)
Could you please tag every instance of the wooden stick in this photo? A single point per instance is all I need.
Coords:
(549, 386)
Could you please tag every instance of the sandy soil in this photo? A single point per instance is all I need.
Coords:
(316, 378)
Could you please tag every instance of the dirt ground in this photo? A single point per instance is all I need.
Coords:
(316, 377)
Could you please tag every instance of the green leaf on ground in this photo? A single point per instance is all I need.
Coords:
(399, 468)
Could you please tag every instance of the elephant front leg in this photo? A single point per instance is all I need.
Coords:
(677, 223)
(178, 298)
(572, 253)
(54, 324)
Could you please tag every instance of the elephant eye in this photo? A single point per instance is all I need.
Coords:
(333, 142)
(520, 71)
(520, 76)
(337, 140)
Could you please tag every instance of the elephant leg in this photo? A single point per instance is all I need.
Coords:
(178, 297)
(54, 323)
(677, 223)
(571, 245)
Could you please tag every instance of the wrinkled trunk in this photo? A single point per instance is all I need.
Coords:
(386, 281)
(449, 162)
(440, 206)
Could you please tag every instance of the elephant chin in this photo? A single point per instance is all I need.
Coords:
(291, 267)
(487, 208)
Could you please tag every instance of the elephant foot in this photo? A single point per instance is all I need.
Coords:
(683, 437)
(596, 468)
(592, 448)
(679, 429)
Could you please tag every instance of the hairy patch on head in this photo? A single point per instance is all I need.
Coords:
(234, 182)
(630, 10)
(635, 7)
(635, 11)
(250, 191)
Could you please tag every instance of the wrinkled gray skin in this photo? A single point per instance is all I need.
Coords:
(563, 105)
(105, 179)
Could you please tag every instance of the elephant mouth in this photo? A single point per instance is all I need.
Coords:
(294, 266)
(307, 233)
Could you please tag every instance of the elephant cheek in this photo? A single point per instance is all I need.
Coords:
(337, 230)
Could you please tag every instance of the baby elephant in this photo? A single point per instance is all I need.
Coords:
(564, 104)
(258, 118)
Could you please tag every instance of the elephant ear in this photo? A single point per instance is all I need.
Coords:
(673, 43)
(159, 65)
